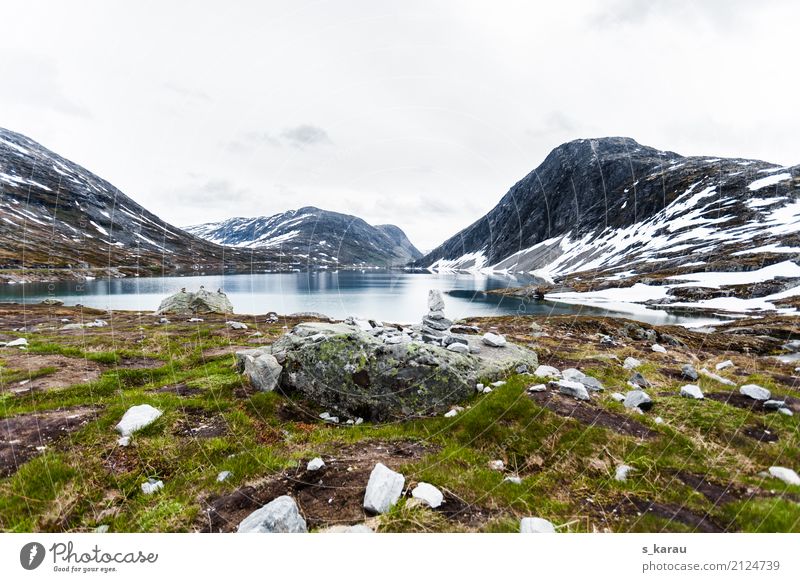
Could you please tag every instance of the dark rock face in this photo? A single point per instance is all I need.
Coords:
(57, 214)
(588, 190)
(327, 238)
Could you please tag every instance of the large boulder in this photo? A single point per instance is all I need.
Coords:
(342, 368)
(189, 303)
(383, 489)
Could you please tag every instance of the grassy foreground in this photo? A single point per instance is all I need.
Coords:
(698, 465)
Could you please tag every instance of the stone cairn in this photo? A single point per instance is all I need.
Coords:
(435, 325)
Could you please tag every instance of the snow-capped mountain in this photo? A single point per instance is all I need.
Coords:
(323, 238)
(612, 206)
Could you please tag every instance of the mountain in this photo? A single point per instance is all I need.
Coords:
(323, 238)
(59, 220)
(613, 206)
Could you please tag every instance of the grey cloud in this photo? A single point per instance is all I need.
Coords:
(302, 136)
(211, 193)
(556, 122)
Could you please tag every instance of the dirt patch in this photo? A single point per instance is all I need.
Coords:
(592, 415)
(213, 353)
(24, 436)
(179, 389)
(737, 400)
(65, 371)
(200, 423)
(760, 433)
(334, 495)
(139, 363)
(716, 493)
(670, 511)
(459, 511)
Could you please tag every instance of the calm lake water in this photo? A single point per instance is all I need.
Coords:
(391, 296)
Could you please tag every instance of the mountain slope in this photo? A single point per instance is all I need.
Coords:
(324, 238)
(611, 205)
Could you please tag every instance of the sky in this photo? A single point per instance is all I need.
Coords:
(416, 113)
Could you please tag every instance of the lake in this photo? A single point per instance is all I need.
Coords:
(395, 296)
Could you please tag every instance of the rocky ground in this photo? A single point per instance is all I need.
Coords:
(504, 454)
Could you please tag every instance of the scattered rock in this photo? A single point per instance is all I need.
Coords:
(692, 391)
(497, 465)
(151, 486)
(658, 349)
(459, 348)
(593, 384)
(428, 494)
(786, 411)
(260, 367)
(17, 343)
(618, 396)
(236, 325)
(688, 371)
(631, 363)
(328, 417)
(537, 388)
(137, 418)
(638, 399)
(570, 388)
(223, 476)
(547, 372)
(573, 375)
(51, 301)
(755, 392)
(622, 472)
(724, 365)
(774, 404)
(278, 516)
(451, 413)
(494, 340)
(188, 303)
(515, 479)
(786, 475)
(638, 380)
(716, 377)
(383, 489)
(315, 464)
(536, 525)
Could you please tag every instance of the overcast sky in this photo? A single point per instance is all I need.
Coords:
(420, 114)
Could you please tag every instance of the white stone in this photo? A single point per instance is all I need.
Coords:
(637, 399)
(195, 319)
(574, 389)
(499, 383)
(724, 365)
(479, 387)
(236, 325)
(136, 418)
(17, 343)
(124, 441)
(315, 464)
(658, 349)
(537, 388)
(786, 475)
(223, 476)
(358, 528)
(716, 377)
(536, 525)
(486, 390)
(459, 348)
(435, 300)
(328, 417)
(278, 516)
(618, 396)
(383, 489)
(622, 472)
(428, 494)
(786, 411)
(494, 340)
(547, 372)
(515, 479)
(631, 363)
(658, 420)
(573, 375)
(692, 391)
(497, 465)
(451, 413)
(151, 486)
(755, 392)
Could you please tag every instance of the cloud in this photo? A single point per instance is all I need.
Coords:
(556, 122)
(719, 13)
(34, 81)
(212, 193)
(302, 136)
